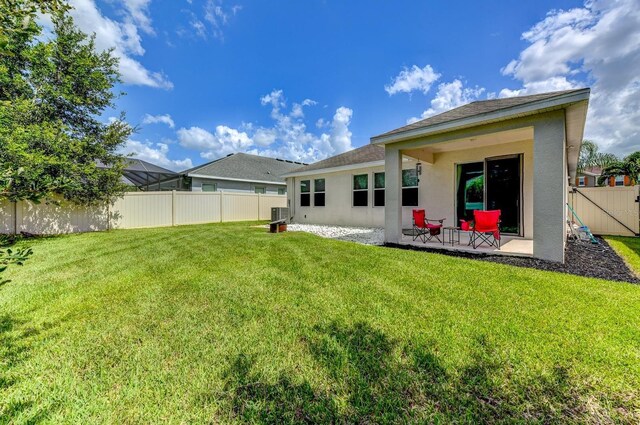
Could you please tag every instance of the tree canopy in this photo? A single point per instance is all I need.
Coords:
(53, 92)
(629, 166)
(590, 156)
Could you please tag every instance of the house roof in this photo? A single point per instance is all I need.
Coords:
(140, 173)
(374, 152)
(362, 155)
(474, 109)
(245, 167)
(592, 171)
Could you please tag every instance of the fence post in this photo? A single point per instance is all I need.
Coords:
(259, 202)
(221, 207)
(15, 217)
(173, 207)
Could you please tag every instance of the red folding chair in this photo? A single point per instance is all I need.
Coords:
(486, 228)
(426, 228)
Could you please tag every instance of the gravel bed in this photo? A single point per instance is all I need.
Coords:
(363, 235)
(581, 259)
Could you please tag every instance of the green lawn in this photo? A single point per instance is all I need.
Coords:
(227, 323)
(628, 248)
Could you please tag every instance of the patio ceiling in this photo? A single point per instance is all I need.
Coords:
(496, 138)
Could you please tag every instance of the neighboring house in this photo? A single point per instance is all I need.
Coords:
(618, 181)
(514, 154)
(142, 174)
(588, 177)
(591, 176)
(239, 172)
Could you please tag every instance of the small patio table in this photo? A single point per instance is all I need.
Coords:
(452, 231)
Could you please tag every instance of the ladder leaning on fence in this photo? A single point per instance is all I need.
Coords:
(581, 232)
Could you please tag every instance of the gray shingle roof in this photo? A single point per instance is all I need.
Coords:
(475, 108)
(366, 153)
(139, 173)
(246, 167)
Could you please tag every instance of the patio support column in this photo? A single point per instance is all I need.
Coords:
(392, 195)
(549, 187)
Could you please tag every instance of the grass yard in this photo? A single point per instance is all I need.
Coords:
(628, 248)
(227, 323)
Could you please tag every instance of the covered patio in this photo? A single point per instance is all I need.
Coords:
(511, 245)
(514, 155)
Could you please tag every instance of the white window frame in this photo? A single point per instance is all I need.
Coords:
(282, 191)
(409, 187)
(214, 185)
(354, 190)
(373, 176)
(619, 179)
(319, 191)
(581, 181)
(305, 193)
(260, 190)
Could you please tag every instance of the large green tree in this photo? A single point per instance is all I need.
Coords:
(53, 92)
(629, 166)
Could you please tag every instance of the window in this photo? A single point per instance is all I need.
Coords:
(360, 190)
(581, 181)
(378, 189)
(260, 189)
(282, 191)
(209, 187)
(409, 188)
(619, 180)
(318, 193)
(305, 195)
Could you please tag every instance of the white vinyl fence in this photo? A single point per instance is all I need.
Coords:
(603, 209)
(138, 209)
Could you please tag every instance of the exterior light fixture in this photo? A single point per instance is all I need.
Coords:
(418, 168)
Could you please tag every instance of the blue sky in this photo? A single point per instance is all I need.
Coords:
(309, 79)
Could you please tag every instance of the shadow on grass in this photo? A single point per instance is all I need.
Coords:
(16, 339)
(373, 380)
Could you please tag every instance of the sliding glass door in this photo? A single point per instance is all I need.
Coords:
(503, 191)
(470, 194)
(493, 184)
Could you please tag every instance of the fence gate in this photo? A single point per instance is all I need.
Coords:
(608, 210)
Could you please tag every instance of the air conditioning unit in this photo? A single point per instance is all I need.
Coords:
(279, 214)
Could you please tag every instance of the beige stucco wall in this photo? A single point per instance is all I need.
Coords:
(438, 182)
(338, 209)
(436, 190)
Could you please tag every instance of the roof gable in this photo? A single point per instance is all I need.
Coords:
(242, 166)
(365, 154)
(475, 109)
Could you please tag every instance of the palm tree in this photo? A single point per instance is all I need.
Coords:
(590, 156)
(629, 166)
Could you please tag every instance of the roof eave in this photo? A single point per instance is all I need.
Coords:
(203, 176)
(334, 169)
(530, 108)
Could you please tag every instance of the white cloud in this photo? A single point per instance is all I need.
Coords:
(597, 45)
(224, 141)
(155, 119)
(156, 153)
(340, 133)
(139, 13)
(265, 136)
(214, 18)
(122, 36)
(412, 79)
(449, 96)
(287, 138)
